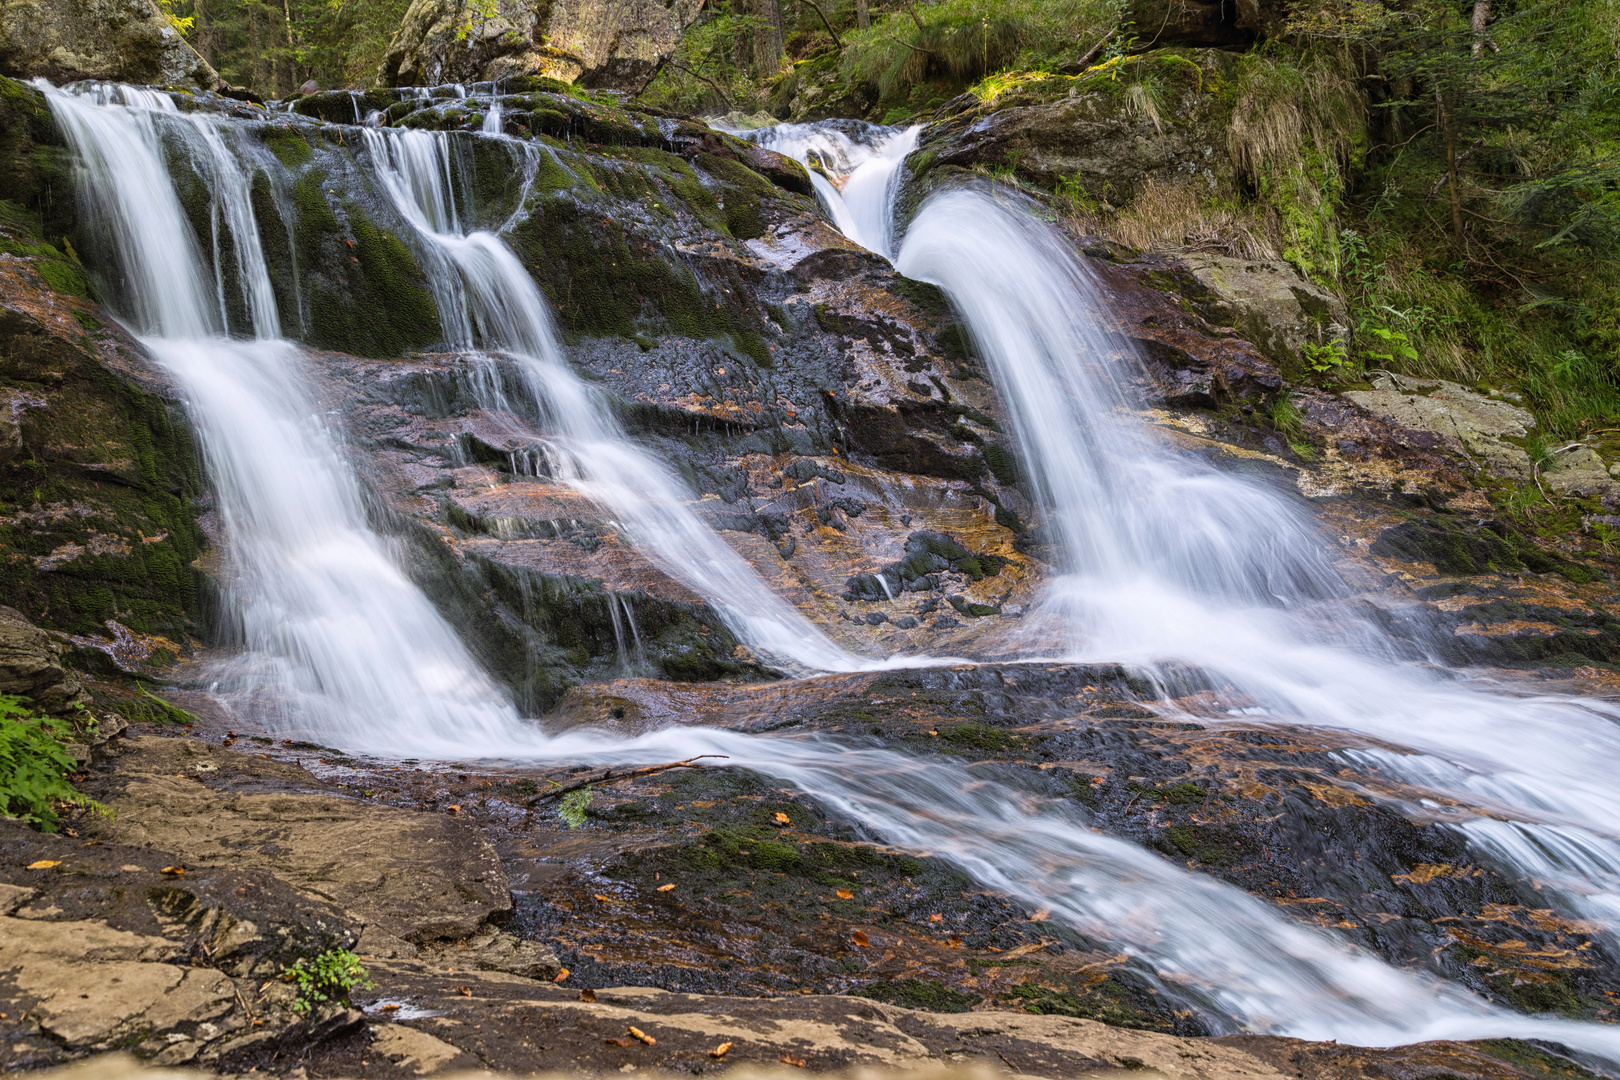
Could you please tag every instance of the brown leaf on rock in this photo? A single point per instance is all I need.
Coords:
(936, 918)
(173, 871)
(46, 864)
(643, 1036)
(845, 894)
(799, 1062)
(721, 1051)
(604, 899)
(859, 937)
(561, 975)
(464, 991)
(618, 1042)
(587, 994)
(782, 819)
(666, 888)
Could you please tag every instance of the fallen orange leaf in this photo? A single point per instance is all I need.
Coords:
(464, 991)
(721, 1051)
(617, 1042)
(44, 864)
(666, 888)
(390, 1007)
(604, 899)
(784, 1059)
(935, 918)
(860, 938)
(643, 1036)
(561, 975)
(954, 942)
(587, 995)
(454, 809)
(782, 819)
(845, 894)
(173, 871)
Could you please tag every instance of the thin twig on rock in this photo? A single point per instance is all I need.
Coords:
(608, 774)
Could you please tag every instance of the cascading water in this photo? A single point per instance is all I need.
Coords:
(338, 635)
(488, 301)
(1168, 560)
(855, 169)
(338, 640)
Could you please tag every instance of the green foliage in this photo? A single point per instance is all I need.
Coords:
(35, 765)
(708, 68)
(148, 708)
(1386, 347)
(331, 976)
(571, 807)
(1329, 357)
(274, 46)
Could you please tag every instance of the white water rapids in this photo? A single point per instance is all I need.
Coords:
(1165, 562)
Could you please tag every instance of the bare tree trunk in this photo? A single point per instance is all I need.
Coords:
(863, 14)
(768, 38)
(261, 63)
(1482, 15)
(1444, 116)
(287, 79)
(205, 33)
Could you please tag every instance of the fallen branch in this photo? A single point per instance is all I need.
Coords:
(1091, 53)
(817, 8)
(609, 774)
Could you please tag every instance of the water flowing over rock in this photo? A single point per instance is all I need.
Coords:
(122, 40)
(612, 45)
(616, 421)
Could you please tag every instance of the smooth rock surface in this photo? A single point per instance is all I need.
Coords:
(417, 876)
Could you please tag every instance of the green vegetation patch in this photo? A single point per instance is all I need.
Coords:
(35, 765)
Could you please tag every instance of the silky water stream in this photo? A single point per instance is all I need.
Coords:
(336, 640)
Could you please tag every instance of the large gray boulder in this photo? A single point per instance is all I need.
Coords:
(602, 44)
(1486, 431)
(121, 40)
(1269, 303)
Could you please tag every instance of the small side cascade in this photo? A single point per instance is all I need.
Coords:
(340, 644)
(489, 305)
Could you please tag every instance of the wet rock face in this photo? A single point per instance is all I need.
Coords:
(98, 511)
(119, 40)
(617, 46)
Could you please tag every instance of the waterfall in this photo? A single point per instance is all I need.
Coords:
(1169, 559)
(855, 169)
(488, 302)
(339, 639)
(339, 643)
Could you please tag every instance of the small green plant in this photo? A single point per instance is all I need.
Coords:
(572, 807)
(35, 765)
(1387, 346)
(331, 976)
(1325, 358)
